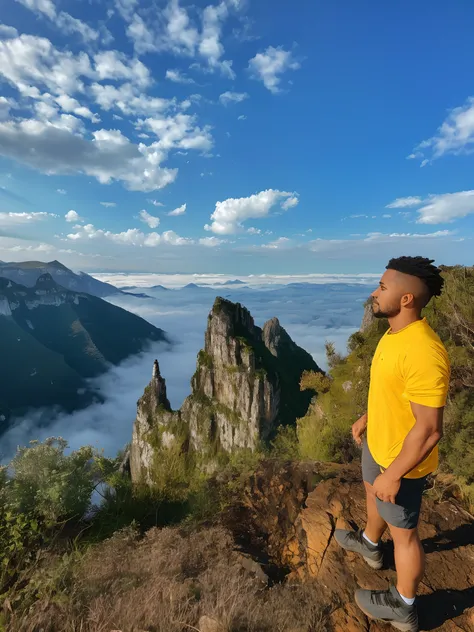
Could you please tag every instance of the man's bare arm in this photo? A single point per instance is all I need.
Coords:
(419, 442)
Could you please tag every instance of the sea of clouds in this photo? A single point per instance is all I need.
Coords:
(312, 312)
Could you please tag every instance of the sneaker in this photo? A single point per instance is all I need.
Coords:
(354, 541)
(387, 605)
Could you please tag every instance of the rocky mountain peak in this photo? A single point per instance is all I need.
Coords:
(272, 334)
(46, 282)
(246, 384)
(158, 388)
(231, 318)
(58, 265)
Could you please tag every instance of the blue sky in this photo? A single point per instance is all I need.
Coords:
(318, 137)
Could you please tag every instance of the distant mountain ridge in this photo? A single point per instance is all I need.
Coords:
(53, 339)
(27, 273)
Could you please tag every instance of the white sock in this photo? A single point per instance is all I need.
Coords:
(410, 602)
(372, 543)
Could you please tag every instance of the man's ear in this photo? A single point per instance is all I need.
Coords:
(408, 300)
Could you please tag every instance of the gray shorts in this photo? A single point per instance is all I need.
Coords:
(406, 510)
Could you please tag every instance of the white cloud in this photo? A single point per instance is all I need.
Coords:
(41, 247)
(386, 216)
(232, 97)
(143, 39)
(179, 35)
(179, 132)
(110, 156)
(446, 207)
(69, 104)
(174, 32)
(242, 117)
(212, 242)
(170, 237)
(129, 99)
(5, 106)
(385, 244)
(176, 281)
(130, 237)
(28, 60)
(126, 8)
(111, 64)
(56, 140)
(65, 22)
(61, 191)
(156, 203)
(14, 219)
(281, 242)
(229, 214)
(31, 63)
(254, 231)
(290, 202)
(7, 32)
(108, 204)
(405, 202)
(270, 65)
(151, 220)
(181, 210)
(439, 208)
(210, 45)
(454, 136)
(176, 76)
(72, 216)
(390, 236)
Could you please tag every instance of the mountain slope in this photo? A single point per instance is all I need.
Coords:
(34, 374)
(27, 273)
(54, 338)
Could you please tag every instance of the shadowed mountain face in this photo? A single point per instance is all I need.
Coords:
(27, 273)
(52, 339)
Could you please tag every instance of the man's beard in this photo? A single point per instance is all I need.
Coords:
(388, 313)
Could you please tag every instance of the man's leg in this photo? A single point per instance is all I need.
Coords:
(397, 604)
(366, 542)
(376, 525)
(409, 560)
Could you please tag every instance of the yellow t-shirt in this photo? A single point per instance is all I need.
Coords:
(409, 365)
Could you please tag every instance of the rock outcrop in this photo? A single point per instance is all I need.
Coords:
(246, 383)
(368, 318)
(287, 517)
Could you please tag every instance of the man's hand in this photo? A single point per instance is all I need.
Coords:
(386, 488)
(358, 429)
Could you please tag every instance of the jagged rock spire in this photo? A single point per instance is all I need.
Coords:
(158, 387)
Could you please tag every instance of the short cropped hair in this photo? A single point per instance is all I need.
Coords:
(422, 268)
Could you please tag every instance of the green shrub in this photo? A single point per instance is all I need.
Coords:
(20, 536)
(47, 483)
(285, 444)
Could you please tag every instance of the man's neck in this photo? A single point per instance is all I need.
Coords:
(402, 320)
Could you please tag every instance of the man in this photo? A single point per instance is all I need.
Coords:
(409, 381)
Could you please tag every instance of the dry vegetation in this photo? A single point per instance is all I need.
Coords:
(168, 581)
